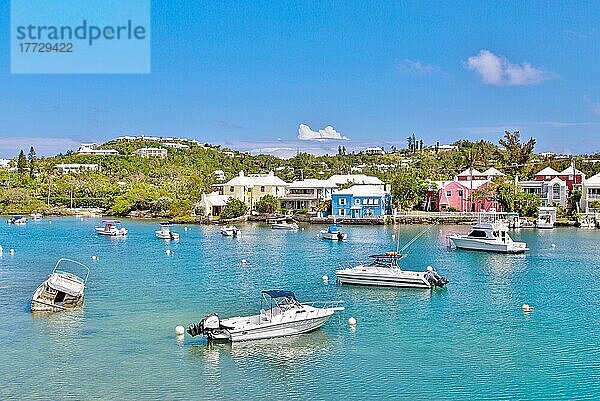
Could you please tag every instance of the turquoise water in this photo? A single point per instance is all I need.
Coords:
(469, 341)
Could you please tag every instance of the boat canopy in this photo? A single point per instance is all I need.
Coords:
(279, 293)
(333, 228)
(111, 221)
(166, 223)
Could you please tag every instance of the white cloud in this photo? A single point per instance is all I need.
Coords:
(307, 134)
(415, 67)
(499, 71)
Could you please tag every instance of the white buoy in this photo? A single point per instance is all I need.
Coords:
(94, 257)
(82, 219)
(325, 278)
(184, 229)
(179, 330)
(393, 236)
(553, 245)
(168, 251)
(1, 250)
(49, 221)
(244, 262)
(527, 308)
(352, 321)
(12, 251)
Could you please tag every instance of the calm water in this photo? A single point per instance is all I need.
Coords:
(470, 340)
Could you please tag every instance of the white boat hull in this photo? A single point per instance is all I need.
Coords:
(334, 236)
(167, 236)
(284, 226)
(111, 233)
(486, 245)
(273, 330)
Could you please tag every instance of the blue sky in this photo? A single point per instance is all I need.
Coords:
(247, 74)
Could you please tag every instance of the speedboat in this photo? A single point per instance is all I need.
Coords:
(111, 228)
(384, 270)
(285, 225)
(166, 233)
(19, 220)
(489, 235)
(229, 231)
(36, 216)
(62, 290)
(334, 233)
(546, 217)
(281, 314)
(587, 222)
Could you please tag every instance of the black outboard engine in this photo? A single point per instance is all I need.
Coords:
(435, 279)
(205, 326)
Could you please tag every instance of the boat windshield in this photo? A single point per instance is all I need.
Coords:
(390, 260)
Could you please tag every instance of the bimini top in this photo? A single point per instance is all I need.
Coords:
(388, 255)
(111, 221)
(279, 293)
(166, 223)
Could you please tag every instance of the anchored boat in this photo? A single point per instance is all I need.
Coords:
(62, 290)
(282, 315)
(283, 224)
(229, 231)
(111, 228)
(334, 233)
(490, 234)
(546, 217)
(165, 232)
(18, 220)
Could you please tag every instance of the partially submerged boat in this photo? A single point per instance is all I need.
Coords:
(334, 233)
(490, 234)
(281, 314)
(165, 232)
(111, 228)
(18, 220)
(62, 290)
(229, 231)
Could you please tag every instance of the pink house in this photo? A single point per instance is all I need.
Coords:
(456, 194)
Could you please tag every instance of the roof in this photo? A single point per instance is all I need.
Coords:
(279, 293)
(362, 190)
(469, 172)
(312, 183)
(571, 170)
(364, 179)
(256, 179)
(215, 199)
(594, 180)
(548, 171)
(492, 171)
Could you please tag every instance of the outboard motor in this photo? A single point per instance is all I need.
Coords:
(205, 326)
(434, 278)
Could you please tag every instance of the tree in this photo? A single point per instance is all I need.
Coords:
(233, 208)
(267, 204)
(408, 190)
(32, 158)
(21, 163)
(514, 151)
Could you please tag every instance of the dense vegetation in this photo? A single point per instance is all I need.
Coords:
(172, 186)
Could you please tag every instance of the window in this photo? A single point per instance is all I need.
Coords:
(448, 193)
(357, 201)
(342, 212)
(376, 202)
(231, 189)
(342, 201)
(262, 188)
(556, 191)
(460, 193)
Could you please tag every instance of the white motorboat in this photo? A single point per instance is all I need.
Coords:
(36, 216)
(111, 228)
(490, 234)
(514, 220)
(546, 217)
(62, 290)
(285, 225)
(385, 270)
(282, 315)
(165, 232)
(18, 220)
(334, 233)
(229, 231)
(588, 222)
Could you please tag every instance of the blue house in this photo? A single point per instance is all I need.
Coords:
(361, 201)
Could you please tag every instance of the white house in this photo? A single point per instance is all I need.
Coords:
(151, 152)
(89, 149)
(374, 151)
(250, 188)
(590, 194)
(175, 145)
(213, 203)
(76, 168)
(220, 174)
(358, 179)
(306, 194)
(5, 163)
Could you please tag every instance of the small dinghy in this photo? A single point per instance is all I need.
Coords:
(282, 315)
(333, 233)
(36, 216)
(18, 220)
(283, 224)
(229, 231)
(165, 232)
(62, 290)
(111, 228)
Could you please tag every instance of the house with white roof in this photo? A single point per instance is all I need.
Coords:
(591, 194)
(359, 179)
(152, 152)
(219, 174)
(306, 194)
(5, 164)
(213, 203)
(64, 168)
(250, 188)
(89, 149)
(554, 187)
(360, 201)
(374, 151)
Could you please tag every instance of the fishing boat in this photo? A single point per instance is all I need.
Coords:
(165, 232)
(281, 314)
(588, 222)
(546, 217)
(490, 234)
(111, 228)
(284, 224)
(36, 216)
(62, 290)
(384, 270)
(18, 220)
(229, 231)
(334, 233)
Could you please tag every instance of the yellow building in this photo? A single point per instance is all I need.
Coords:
(250, 188)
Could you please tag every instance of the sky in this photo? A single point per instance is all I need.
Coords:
(278, 77)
